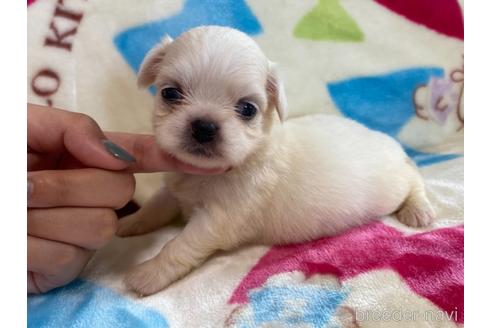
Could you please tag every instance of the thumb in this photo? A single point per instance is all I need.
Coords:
(55, 132)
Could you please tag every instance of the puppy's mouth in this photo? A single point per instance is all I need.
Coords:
(197, 157)
(199, 150)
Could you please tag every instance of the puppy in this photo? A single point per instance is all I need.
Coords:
(220, 103)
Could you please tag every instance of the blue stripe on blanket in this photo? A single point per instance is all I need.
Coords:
(295, 305)
(85, 304)
(135, 42)
(424, 159)
(385, 103)
(291, 305)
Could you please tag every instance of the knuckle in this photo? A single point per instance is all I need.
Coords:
(67, 257)
(38, 185)
(54, 187)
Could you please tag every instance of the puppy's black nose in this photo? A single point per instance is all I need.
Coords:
(203, 131)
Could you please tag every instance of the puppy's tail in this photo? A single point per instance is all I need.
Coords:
(416, 210)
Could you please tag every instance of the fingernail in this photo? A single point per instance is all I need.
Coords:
(117, 151)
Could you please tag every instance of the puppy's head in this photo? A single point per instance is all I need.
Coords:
(217, 95)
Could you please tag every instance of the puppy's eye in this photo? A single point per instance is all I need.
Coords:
(246, 109)
(171, 94)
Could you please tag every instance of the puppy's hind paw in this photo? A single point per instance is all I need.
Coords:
(416, 212)
(415, 218)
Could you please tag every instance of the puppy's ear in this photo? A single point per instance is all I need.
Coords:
(150, 65)
(276, 92)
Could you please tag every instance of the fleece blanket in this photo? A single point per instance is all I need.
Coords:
(395, 66)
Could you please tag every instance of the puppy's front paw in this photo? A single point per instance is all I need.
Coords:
(130, 226)
(146, 279)
(126, 230)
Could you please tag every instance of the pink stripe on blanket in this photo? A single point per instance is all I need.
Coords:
(431, 263)
(443, 16)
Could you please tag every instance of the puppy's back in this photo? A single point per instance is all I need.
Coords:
(341, 174)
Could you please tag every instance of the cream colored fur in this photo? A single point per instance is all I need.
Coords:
(289, 182)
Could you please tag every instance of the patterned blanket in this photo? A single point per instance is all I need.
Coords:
(395, 66)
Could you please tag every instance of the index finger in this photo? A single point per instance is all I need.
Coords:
(149, 157)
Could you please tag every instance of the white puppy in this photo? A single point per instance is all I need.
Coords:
(217, 105)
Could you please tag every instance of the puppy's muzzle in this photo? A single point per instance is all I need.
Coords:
(203, 131)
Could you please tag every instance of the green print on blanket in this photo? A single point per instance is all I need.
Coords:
(328, 21)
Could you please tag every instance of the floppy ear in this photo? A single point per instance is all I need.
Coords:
(150, 65)
(276, 92)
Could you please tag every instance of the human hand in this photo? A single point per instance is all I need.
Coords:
(76, 179)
